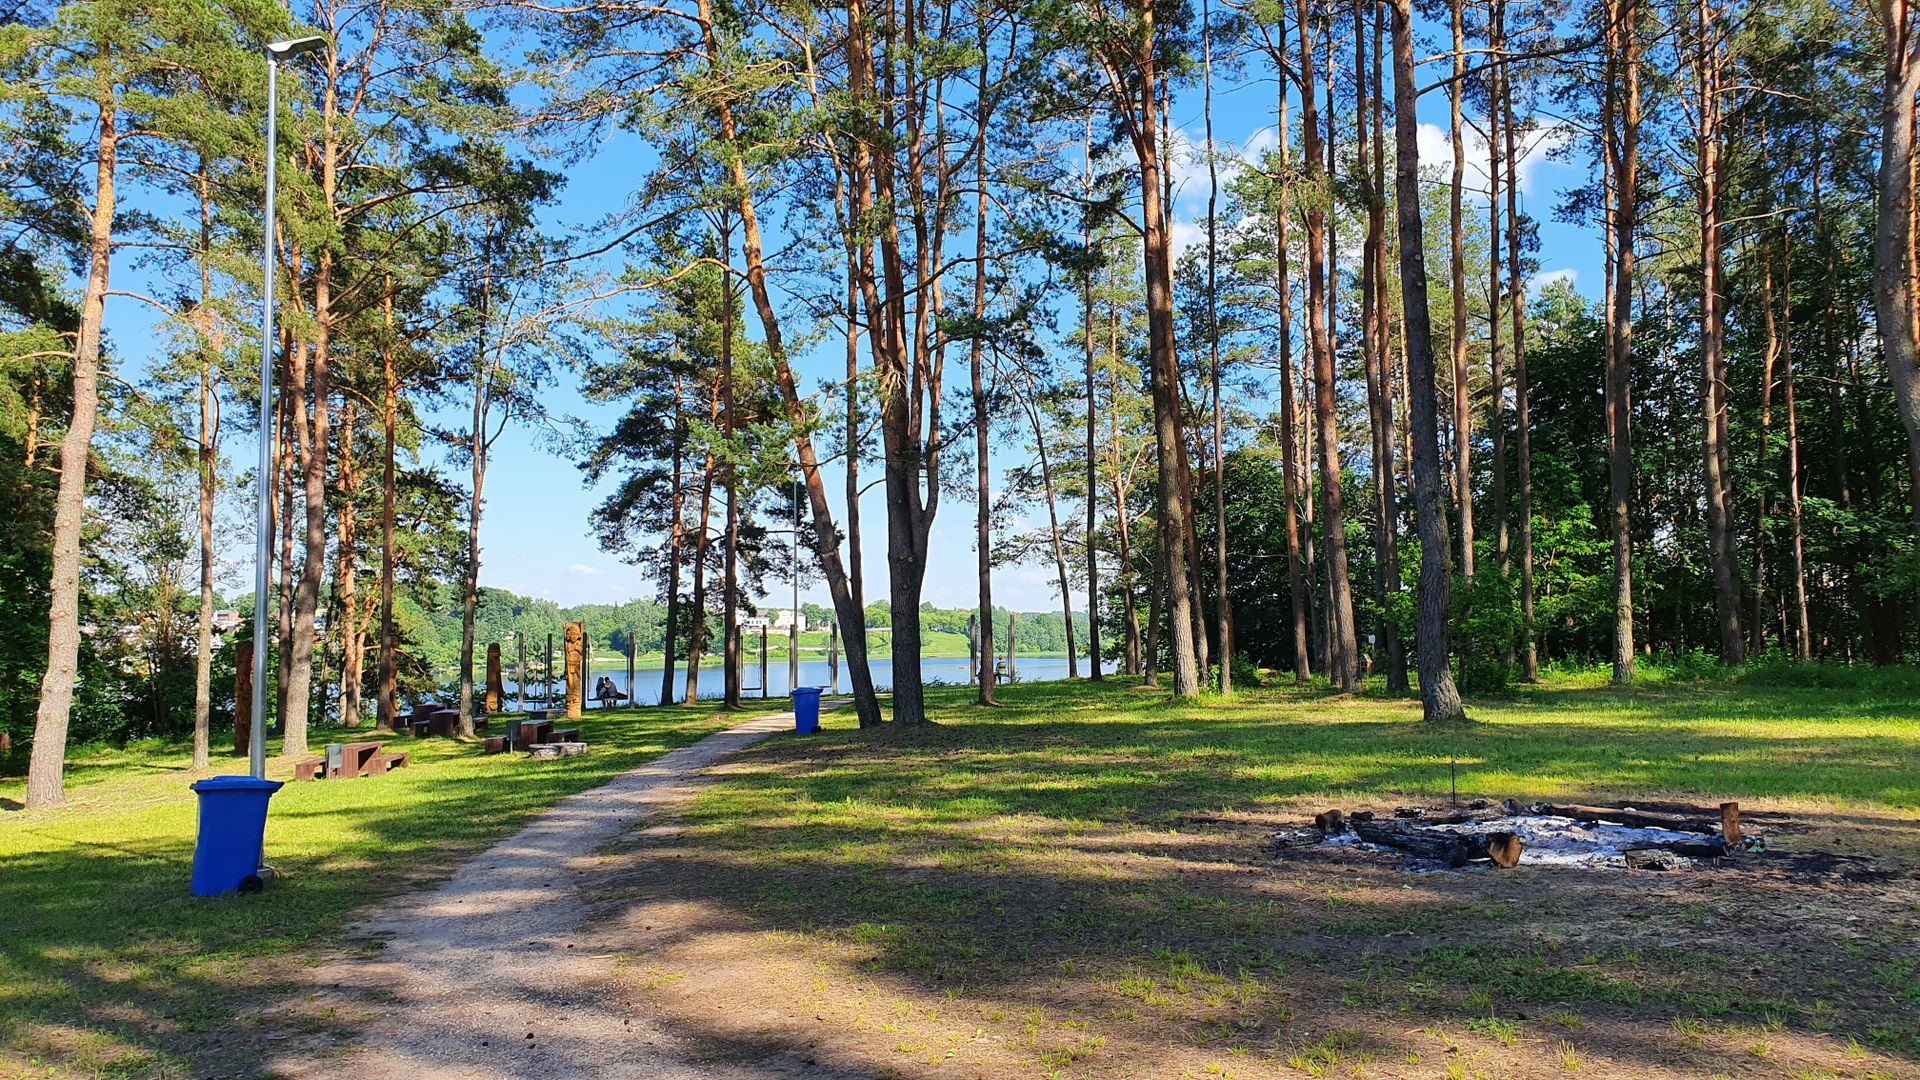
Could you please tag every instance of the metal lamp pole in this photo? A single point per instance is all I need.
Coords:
(263, 521)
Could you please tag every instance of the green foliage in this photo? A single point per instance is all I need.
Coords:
(1486, 629)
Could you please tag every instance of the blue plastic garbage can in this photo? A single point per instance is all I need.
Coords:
(806, 709)
(233, 824)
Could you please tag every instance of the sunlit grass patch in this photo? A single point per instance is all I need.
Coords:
(100, 943)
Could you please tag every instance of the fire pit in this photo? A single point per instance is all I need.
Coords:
(1542, 834)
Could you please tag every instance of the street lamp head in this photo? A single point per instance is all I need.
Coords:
(281, 50)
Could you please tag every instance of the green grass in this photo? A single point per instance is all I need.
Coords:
(1073, 750)
(1080, 829)
(97, 930)
(1044, 836)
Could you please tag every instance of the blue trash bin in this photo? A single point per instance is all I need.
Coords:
(233, 825)
(806, 709)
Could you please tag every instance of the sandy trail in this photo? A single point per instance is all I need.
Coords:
(494, 974)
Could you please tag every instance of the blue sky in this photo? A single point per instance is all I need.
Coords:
(536, 537)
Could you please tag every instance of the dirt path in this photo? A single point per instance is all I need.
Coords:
(495, 974)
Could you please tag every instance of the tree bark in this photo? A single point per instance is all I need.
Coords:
(1172, 490)
(1053, 525)
(731, 655)
(1803, 633)
(1342, 648)
(1622, 107)
(1439, 700)
(1374, 334)
(1300, 597)
(1893, 234)
(1093, 479)
(1721, 554)
(702, 546)
(1496, 367)
(1457, 267)
(208, 459)
(982, 422)
(1523, 431)
(46, 783)
(668, 659)
(347, 574)
(388, 703)
(1223, 605)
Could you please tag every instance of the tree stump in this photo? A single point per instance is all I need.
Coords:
(1504, 849)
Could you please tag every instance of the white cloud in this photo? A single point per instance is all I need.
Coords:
(1547, 277)
(1436, 153)
(1186, 234)
(583, 570)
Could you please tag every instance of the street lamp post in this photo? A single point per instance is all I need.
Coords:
(263, 522)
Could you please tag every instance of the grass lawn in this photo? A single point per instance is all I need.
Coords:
(107, 966)
(1078, 883)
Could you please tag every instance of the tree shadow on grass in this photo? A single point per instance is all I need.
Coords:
(1056, 835)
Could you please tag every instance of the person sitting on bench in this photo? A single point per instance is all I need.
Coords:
(604, 692)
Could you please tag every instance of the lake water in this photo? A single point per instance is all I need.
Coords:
(812, 673)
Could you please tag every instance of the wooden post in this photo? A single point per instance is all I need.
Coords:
(1013, 672)
(973, 649)
(547, 673)
(575, 637)
(242, 698)
(633, 688)
(763, 661)
(496, 689)
(520, 673)
(833, 656)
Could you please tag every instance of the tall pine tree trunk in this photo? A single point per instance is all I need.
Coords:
(1713, 329)
(1299, 592)
(46, 784)
(1893, 234)
(982, 421)
(1457, 267)
(347, 574)
(1522, 419)
(1621, 136)
(1223, 606)
(388, 701)
(1342, 648)
(1439, 700)
(208, 459)
(1093, 479)
(674, 547)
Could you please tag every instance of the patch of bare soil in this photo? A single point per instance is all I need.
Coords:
(1018, 946)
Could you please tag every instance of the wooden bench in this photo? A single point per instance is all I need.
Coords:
(496, 744)
(310, 769)
(420, 728)
(565, 735)
(397, 760)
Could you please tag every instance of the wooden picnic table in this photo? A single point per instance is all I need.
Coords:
(358, 759)
(533, 731)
